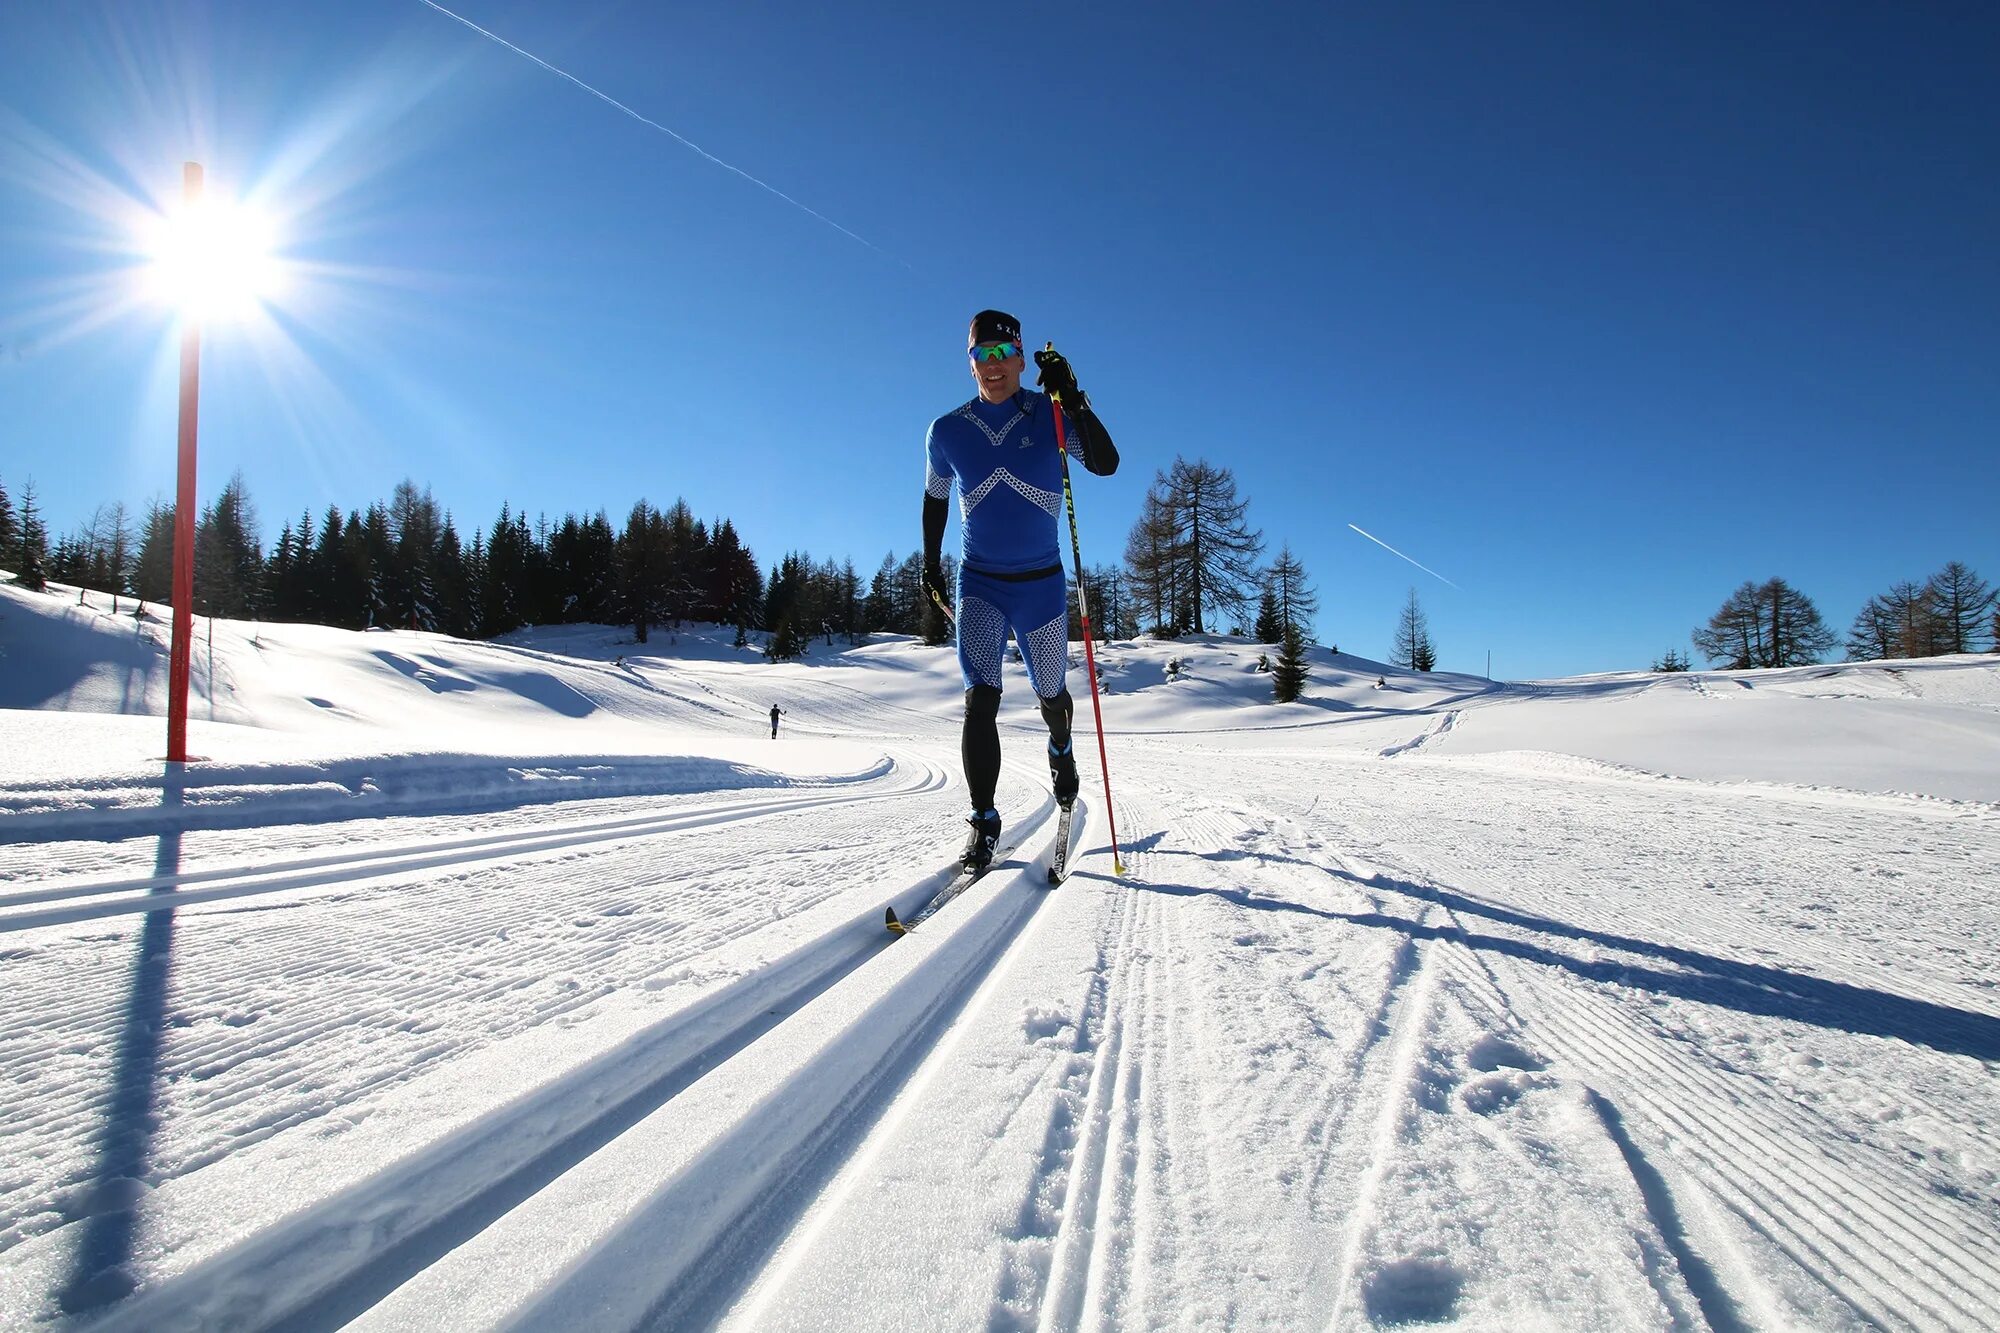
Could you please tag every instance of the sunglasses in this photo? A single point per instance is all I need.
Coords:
(994, 351)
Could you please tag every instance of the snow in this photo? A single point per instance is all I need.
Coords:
(533, 984)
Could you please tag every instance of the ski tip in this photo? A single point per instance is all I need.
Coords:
(895, 926)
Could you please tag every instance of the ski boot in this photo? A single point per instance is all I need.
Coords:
(978, 853)
(1062, 773)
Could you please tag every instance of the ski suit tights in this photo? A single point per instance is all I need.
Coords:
(981, 742)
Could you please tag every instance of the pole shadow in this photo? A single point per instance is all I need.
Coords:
(1751, 988)
(100, 1271)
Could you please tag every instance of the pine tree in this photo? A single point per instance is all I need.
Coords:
(118, 553)
(9, 528)
(1874, 634)
(153, 576)
(1413, 638)
(1154, 559)
(878, 609)
(409, 584)
(786, 643)
(1960, 601)
(1270, 625)
(453, 582)
(1297, 602)
(1289, 678)
(1767, 625)
(642, 572)
(33, 547)
(228, 560)
(1675, 660)
(1220, 549)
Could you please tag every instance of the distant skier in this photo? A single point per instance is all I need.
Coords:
(776, 713)
(1000, 450)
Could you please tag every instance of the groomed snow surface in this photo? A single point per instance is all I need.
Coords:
(533, 985)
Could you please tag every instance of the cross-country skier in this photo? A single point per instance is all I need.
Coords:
(776, 713)
(1000, 449)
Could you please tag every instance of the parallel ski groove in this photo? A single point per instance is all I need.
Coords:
(1775, 1186)
(240, 1073)
(1394, 1080)
(146, 895)
(1885, 1271)
(1070, 1282)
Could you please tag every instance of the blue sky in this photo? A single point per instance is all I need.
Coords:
(1597, 310)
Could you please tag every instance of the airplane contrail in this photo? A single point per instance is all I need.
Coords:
(679, 138)
(1393, 551)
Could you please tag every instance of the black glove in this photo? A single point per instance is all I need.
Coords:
(1055, 378)
(935, 585)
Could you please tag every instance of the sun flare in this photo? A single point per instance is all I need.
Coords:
(213, 258)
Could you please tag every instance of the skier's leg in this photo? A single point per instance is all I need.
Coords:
(1044, 603)
(980, 745)
(1058, 711)
(982, 633)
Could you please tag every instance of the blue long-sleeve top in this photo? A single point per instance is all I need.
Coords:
(1004, 460)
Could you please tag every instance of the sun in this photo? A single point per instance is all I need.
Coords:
(214, 258)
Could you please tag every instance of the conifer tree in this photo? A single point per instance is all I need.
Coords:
(153, 575)
(1960, 601)
(1765, 625)
(31, 561)
(9, 528)
(1298, 603)
(1413, 638)
(642, 572)
(228, 560)
(1288, 679)
(1270, 626)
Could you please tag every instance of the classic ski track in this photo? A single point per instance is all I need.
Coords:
(1123, 1169)
(275, 1061)
(1394, 1076)
(1073, 1295)
(756, 1230)
(1896, 1251)
(1866, 1237)
(511, 1155)
(154, 893)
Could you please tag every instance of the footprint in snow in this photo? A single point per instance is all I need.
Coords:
(1413, 1291)
(1507, 1072)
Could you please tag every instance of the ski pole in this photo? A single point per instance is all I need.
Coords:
(1089, 654)
(943, 606)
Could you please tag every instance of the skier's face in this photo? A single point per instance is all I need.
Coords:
(998, 380)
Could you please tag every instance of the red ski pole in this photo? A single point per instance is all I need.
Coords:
(1089, 654)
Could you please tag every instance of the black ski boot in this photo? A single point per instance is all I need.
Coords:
(1062, 773)
(978, 853)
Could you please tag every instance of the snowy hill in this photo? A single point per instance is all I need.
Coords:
(465, 984)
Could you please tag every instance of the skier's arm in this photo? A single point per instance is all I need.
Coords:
(937, 505)
(1088, 439)
(1098, 453)
(935, 511)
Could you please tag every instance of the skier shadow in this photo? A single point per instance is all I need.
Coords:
(1751, 988)
(109, 1201)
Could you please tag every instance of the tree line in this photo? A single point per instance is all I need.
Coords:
(1773, 624)
(404, 564)
(1192, 562)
